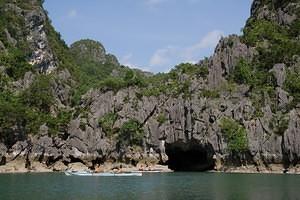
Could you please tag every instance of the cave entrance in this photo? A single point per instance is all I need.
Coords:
(190, 156)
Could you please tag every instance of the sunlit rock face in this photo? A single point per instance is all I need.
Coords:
(32, 32)
(42, 54)
(279, 11)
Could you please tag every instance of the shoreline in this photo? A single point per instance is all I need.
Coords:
(19, 168)
(213, 172)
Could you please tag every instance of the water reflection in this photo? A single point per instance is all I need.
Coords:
(175, 186)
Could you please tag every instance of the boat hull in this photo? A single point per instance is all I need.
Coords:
(70, 173)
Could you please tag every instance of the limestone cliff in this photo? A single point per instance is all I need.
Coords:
(240, 107)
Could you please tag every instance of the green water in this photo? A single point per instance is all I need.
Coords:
(173, 186)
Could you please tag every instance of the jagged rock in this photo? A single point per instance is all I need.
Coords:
(112, 59)
(189, 137)
(12, 7)
(44, 150)
(61, 88)
(43, 130)
(283, 98)
(228, 53)
(3, 150)
(39, 167)
(24, 83)
(10, 39)
(28, 79)
(291, 145)
(85, 146)
(18, 150)
(42, 55)
(279, 71)
(59, 166)
(77, 166)
(2, 47)
(282, 13)
(90, 50)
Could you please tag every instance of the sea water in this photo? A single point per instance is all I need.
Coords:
(173, 186)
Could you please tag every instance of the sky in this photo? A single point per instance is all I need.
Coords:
(153, 35)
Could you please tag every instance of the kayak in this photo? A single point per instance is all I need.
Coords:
(87, 173)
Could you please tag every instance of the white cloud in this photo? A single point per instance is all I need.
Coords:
(162, 58)
(126, 60)
(72, 14)
(210, 40)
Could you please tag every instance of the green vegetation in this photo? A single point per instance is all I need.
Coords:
(15, 63)
(243, 73)
(191, 69)
(56, 124)
(15, 114)
(39, 94)
(279, 124)
(235, 134)
(28, 110)
(172, 83)
(60, 50)
(294, 30)
(12, 114)
(15, 58)
(107, 123)
(96, 75)
(131, 133)
(210, 94)
(161, 118)
(292, 84)
(274, 43)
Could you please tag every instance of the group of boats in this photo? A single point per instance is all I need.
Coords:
(91, 173)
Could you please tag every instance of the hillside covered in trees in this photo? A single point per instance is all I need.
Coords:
(61, 105)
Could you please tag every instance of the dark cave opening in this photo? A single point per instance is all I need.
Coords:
(190, 156)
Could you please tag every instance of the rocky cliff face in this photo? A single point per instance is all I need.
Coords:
(90, 50)
(281, 12)
(31, 29)
(202, 117)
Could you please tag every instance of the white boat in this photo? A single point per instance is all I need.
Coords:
(88, 173)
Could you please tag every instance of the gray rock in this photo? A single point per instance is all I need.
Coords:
(3, 150)
(44, 150)
(282, 13)
(42, 54)
(228, 53)
(77, 166)
(279, 71)
(43, 130)
(19, 150)
(283, 98)
(191, 127)
(9, 38)
(112, 59)
(60, 167)
(90, 50)
(2, 47)
(62, 88)
(25, 82)
(291, 143)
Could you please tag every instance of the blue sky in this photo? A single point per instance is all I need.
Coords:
(152, 35)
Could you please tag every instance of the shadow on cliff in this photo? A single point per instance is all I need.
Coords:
(190, 156)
